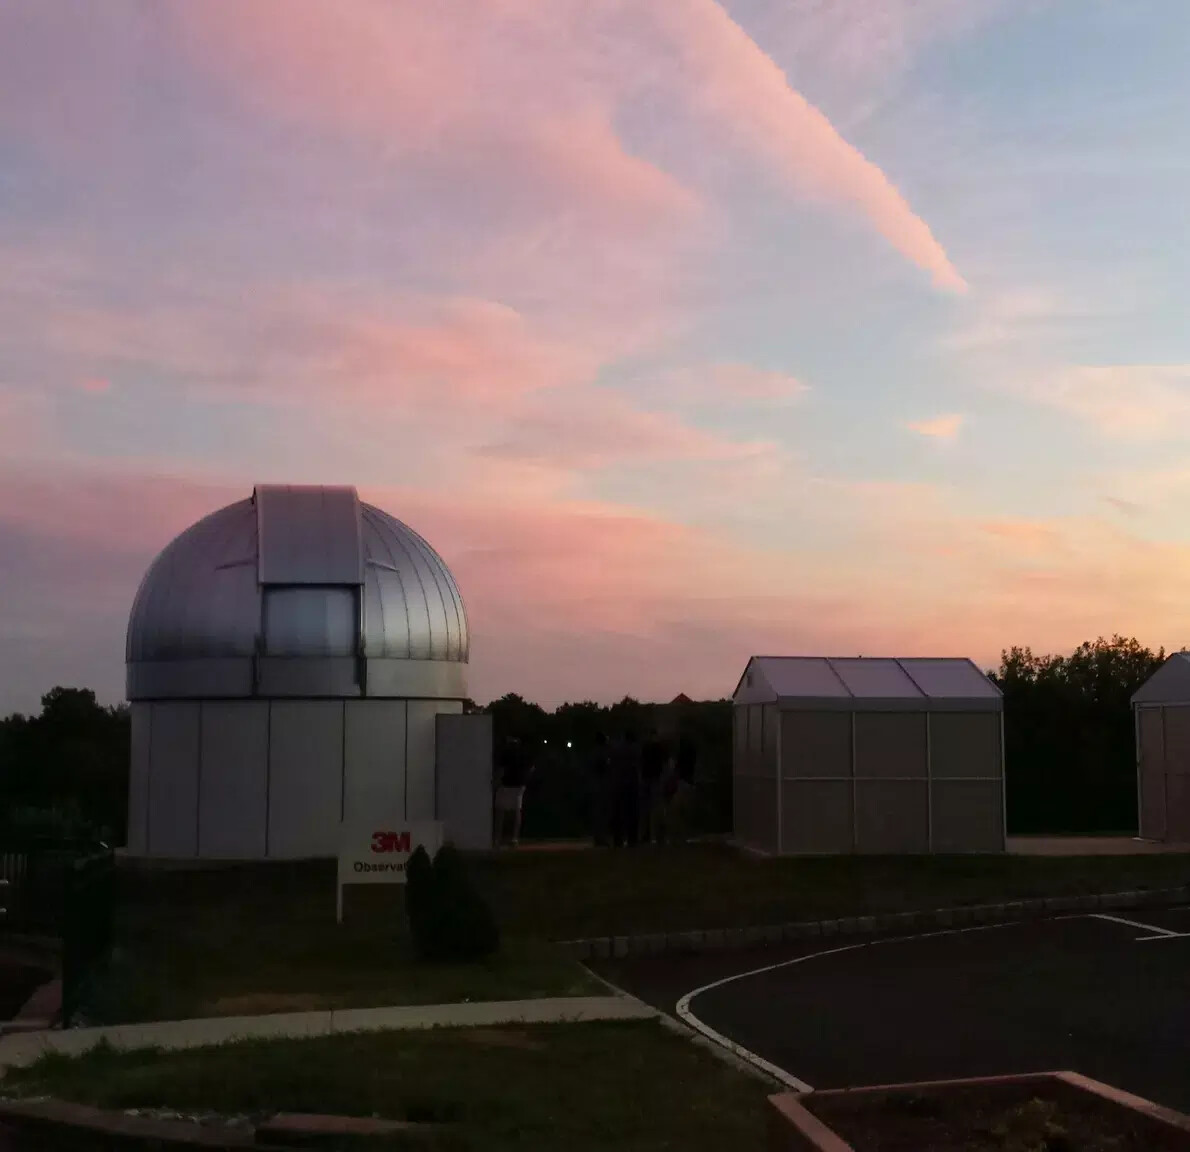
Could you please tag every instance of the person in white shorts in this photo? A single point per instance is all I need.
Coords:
(514, 769)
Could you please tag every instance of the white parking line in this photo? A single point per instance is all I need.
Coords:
(1156, 933)
(757, 1061)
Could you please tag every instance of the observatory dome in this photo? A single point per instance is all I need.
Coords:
(310, 576)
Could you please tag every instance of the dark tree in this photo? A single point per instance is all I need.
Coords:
(1069, 739)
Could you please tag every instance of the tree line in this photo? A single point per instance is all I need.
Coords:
(1069, 740)
(1069, 751)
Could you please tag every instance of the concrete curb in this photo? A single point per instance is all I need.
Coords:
(792, 1127)
(71, 1125)
(66, 1125)
(674, 1025)
(719, 939)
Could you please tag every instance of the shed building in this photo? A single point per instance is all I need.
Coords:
(297, 661)
(867, 755)
(1161, 707)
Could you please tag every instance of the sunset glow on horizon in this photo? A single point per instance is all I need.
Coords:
(683, 330)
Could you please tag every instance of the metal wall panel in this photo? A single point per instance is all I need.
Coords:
(463, 777)
(374, 764)
(420, 789)
(739, 740)
(771, 719)
(307, 676)
(755, 739)
(1177, 791)
(435, 679)
(892, 816)
(173, 779)
(815, 816)
(967, 815)
(1177, 739)
(1177, 774)
(232, 794)
(965, 744)
(815, 744)
(890, 744)
(189, 679)
(1153, 823)
(305, 777)
(138, 779)
(754, 815)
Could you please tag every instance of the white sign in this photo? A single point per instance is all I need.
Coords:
(379, 853)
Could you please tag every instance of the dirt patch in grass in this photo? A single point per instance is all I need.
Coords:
(265, 1004)
(1039, 1117)
(583, 1087)
(501, 1038)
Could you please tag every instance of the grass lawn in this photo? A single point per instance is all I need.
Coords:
(261, 938)
(589, 1086)
(235, 942)
(567, 895)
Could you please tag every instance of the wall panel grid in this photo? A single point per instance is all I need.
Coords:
(821, 746)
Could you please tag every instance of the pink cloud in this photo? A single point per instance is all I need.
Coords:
(1140, 402)
(95, 386)
(945, 427)
(336, 72)
(732, 80)
(137, 512)
(722, 383)
(293, 345)
(441, 83)
(592, 429)
(26, 427)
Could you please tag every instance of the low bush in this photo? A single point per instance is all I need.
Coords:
(448, 919)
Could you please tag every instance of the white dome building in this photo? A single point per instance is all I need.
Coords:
(288, 657)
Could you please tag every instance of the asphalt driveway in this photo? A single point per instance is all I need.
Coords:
(1108, 997)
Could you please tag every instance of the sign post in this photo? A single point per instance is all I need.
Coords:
(379, 852)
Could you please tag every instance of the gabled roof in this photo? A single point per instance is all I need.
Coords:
(1170, 684)
(869, 683)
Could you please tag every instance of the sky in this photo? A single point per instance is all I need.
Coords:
(683, 329)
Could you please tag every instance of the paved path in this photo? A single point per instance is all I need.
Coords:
(1091, 846)
(1105, 995)
(18, 1049)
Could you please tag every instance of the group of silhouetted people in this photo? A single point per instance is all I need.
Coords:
(637, 787)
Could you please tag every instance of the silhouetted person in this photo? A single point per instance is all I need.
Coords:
(653, 756)
(686, 759)
(599, 776)
(626, 790)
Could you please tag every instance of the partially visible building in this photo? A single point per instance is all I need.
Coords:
(297, 661)
(1162, 710)
(867, 755)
